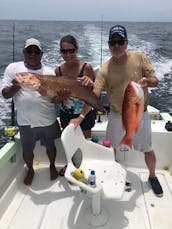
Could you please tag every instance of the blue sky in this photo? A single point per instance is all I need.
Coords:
(76, 10)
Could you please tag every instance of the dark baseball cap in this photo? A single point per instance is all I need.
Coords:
(118, 29)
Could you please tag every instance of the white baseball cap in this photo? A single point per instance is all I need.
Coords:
(32, 41)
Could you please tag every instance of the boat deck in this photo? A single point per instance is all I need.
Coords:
(56, 204)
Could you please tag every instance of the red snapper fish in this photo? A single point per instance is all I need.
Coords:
(132, 110)
(51, 85)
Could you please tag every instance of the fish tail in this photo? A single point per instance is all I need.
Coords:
(126, 141)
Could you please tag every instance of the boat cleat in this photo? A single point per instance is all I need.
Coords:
(128, 185)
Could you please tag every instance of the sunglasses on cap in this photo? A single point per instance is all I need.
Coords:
(65, 51)
(116, 42)
(35, 51)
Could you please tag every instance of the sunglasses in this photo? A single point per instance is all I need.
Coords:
(35, 51)
(65, 51)
(116, 42)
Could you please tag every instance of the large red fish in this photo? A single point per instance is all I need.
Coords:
(51, 85)
(132, 110)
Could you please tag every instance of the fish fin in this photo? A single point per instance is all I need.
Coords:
(64, 101)
(139, 112)
(42, 91)
(123, 126)
(126, 141)
(123, 119)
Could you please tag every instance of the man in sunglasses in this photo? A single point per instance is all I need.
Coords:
(115, 74)
(36, 115)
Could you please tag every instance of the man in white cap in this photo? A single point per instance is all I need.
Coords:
(36, 115)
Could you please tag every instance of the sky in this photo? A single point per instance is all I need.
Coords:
(87, 10)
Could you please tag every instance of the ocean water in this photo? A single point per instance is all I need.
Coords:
(152, 38)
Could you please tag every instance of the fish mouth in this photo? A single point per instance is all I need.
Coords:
(27, 80)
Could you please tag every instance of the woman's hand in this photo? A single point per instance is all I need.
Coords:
(86, 81)
(76, 121)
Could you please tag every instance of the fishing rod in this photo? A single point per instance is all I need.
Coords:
(8, 132)
(12, 130)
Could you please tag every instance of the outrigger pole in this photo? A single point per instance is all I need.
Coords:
(101, 41)
(101, 54)
(12, 103)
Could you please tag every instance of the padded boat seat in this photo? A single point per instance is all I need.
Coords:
(166, 116)
(110, 175)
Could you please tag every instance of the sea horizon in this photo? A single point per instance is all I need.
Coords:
(67, 20)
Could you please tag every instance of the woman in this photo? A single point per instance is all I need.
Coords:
(76, 69)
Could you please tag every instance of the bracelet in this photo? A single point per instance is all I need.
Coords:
(82, 116)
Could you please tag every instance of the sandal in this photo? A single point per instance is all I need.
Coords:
(29, 177)
(62, 171)
(53, 173)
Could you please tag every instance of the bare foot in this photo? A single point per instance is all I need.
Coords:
(53, 173)
(29, 177)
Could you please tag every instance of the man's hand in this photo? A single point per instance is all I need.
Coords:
(143, 82)
(9, 92)
(15, 84)
(148, 82)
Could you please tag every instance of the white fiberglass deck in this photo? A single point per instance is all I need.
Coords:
(48, 204)
(57, 205)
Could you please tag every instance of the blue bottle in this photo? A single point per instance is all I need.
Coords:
(92, 179)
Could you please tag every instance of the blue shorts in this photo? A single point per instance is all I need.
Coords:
(86, 124)
(29, 136)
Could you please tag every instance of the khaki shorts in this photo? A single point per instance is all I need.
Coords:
(142, 140)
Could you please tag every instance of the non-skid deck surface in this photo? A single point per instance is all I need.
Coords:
(55, 205)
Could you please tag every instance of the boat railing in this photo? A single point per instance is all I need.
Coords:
(8, 151)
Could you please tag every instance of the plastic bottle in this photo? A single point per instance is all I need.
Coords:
(92, 179)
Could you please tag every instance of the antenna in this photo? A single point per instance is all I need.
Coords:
(101, 41)
(13, 40)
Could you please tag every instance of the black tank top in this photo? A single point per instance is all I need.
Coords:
(81, 73)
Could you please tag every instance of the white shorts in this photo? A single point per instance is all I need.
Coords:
(142, 139)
